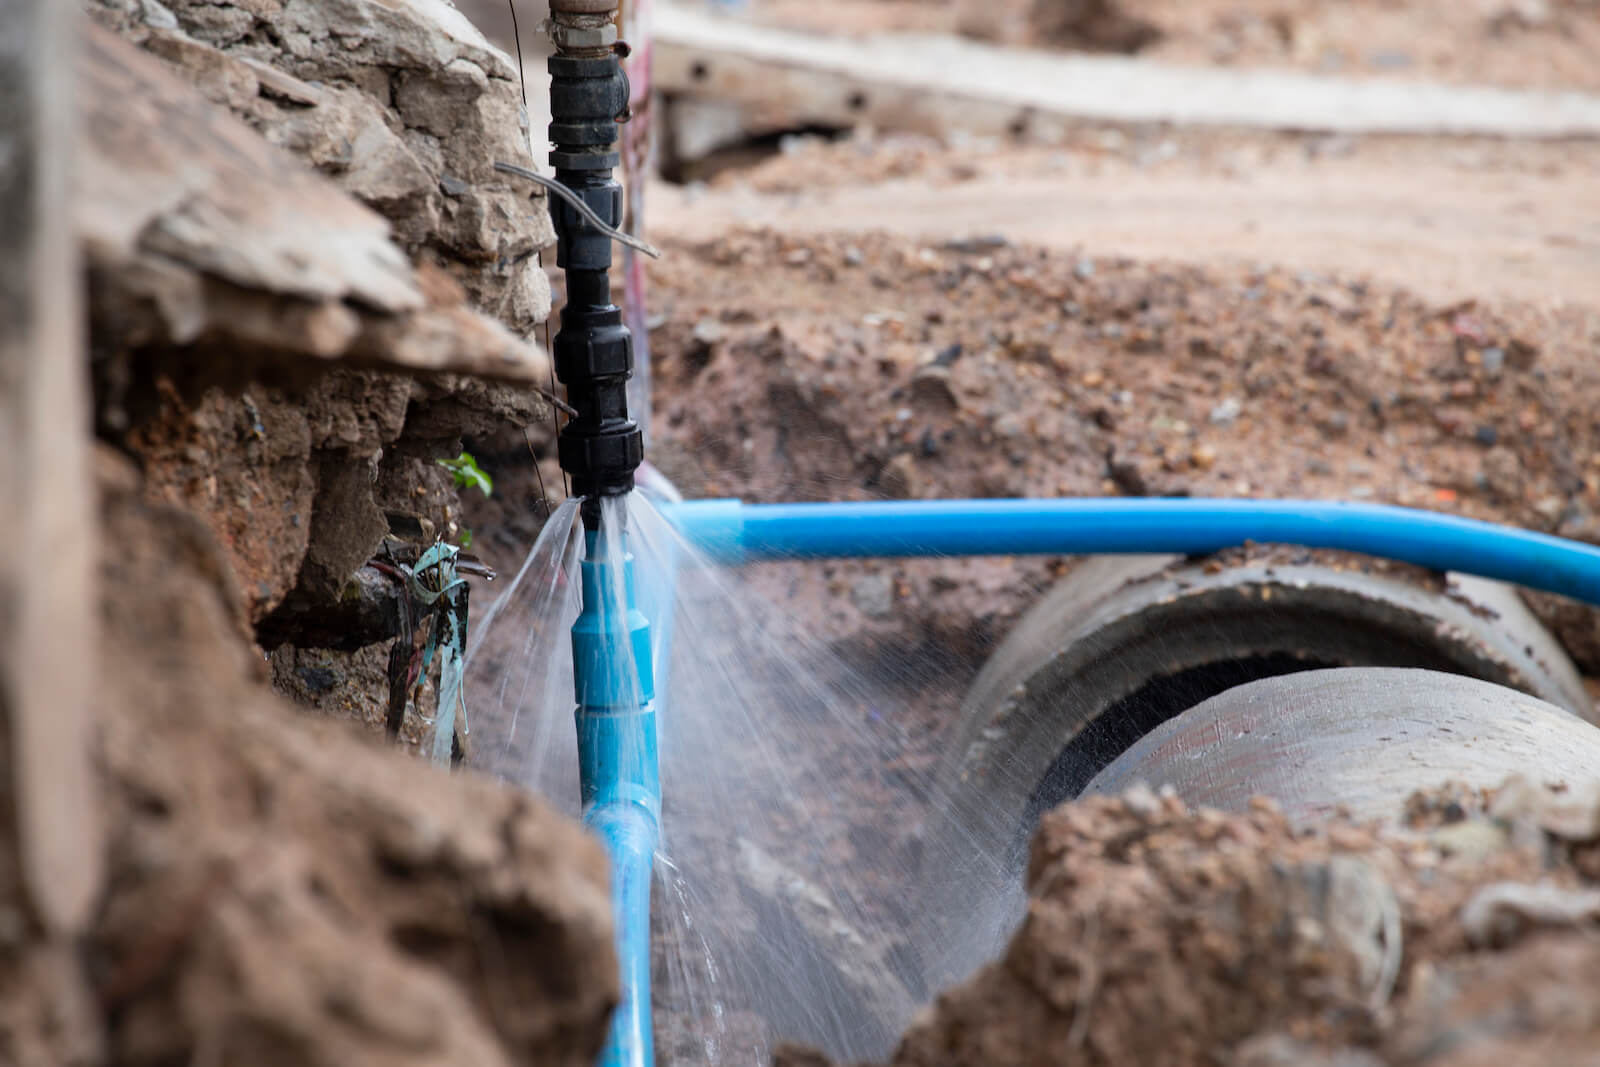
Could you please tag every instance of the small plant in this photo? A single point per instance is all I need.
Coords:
(468, 473)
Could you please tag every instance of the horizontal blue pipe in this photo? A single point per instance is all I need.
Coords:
(733, 532)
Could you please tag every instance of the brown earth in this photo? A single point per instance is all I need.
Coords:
(281, 891)
(1161, 935)
(859, 366)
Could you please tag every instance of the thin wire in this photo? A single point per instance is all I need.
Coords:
(551, 185)
(516, 36)
(544, 494)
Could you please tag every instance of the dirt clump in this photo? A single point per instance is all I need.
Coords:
(1163, 935)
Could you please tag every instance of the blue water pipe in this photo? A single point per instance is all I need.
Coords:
(733, 532)
(620, 776)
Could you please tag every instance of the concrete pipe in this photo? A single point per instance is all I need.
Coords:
(1361, 740)
(1124, 644)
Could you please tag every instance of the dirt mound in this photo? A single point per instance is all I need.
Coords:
(1162, 935)
(280, 892)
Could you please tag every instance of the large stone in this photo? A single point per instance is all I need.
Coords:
(403, 104)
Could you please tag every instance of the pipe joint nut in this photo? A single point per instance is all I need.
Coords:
(602, 463)
(571, 38)
(591, 89)
(599, 352)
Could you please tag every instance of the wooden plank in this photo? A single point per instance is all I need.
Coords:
(786, 79)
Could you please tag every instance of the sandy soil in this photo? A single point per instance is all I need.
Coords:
(1451, 221)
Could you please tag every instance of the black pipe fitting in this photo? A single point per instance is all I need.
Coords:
(600, 447)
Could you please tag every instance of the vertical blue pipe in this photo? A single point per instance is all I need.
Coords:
(620, 776)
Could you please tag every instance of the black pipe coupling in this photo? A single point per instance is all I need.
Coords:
(600, 447)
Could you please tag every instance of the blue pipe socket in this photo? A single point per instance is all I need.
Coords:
(733, 532)
(619, 774)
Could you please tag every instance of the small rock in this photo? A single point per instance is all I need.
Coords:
(1486, 436)
(1227, 411)
(973, 245)
(1494, 360)
(900, 479)
(947, 356)
(1010, 427)
(1083, 270)
(1498, 914)
(158, 16)
(1502, 470)
(873, 595)
(452, 186)
(1390, 59)
(1204, 457)
(1521, 354)
(708, 332)
(1571, 815)
(1071, 309)
(929, 444)
(853, 256)
(317, 680)
(1471, 840)
(799, 257)
(930, 386)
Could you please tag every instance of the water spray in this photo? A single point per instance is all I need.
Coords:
(600, 447)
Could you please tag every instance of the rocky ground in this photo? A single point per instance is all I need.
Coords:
(1163, 935)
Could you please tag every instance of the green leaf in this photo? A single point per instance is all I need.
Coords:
(465, 540)
(468, 474)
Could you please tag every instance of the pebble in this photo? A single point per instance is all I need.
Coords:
(1227, 411)
(971, 245)
(1486, 436)
(1390, 59)
(873, 595)
(1083, 270)
(853, 256)
(1494, 360)
(708, 331)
